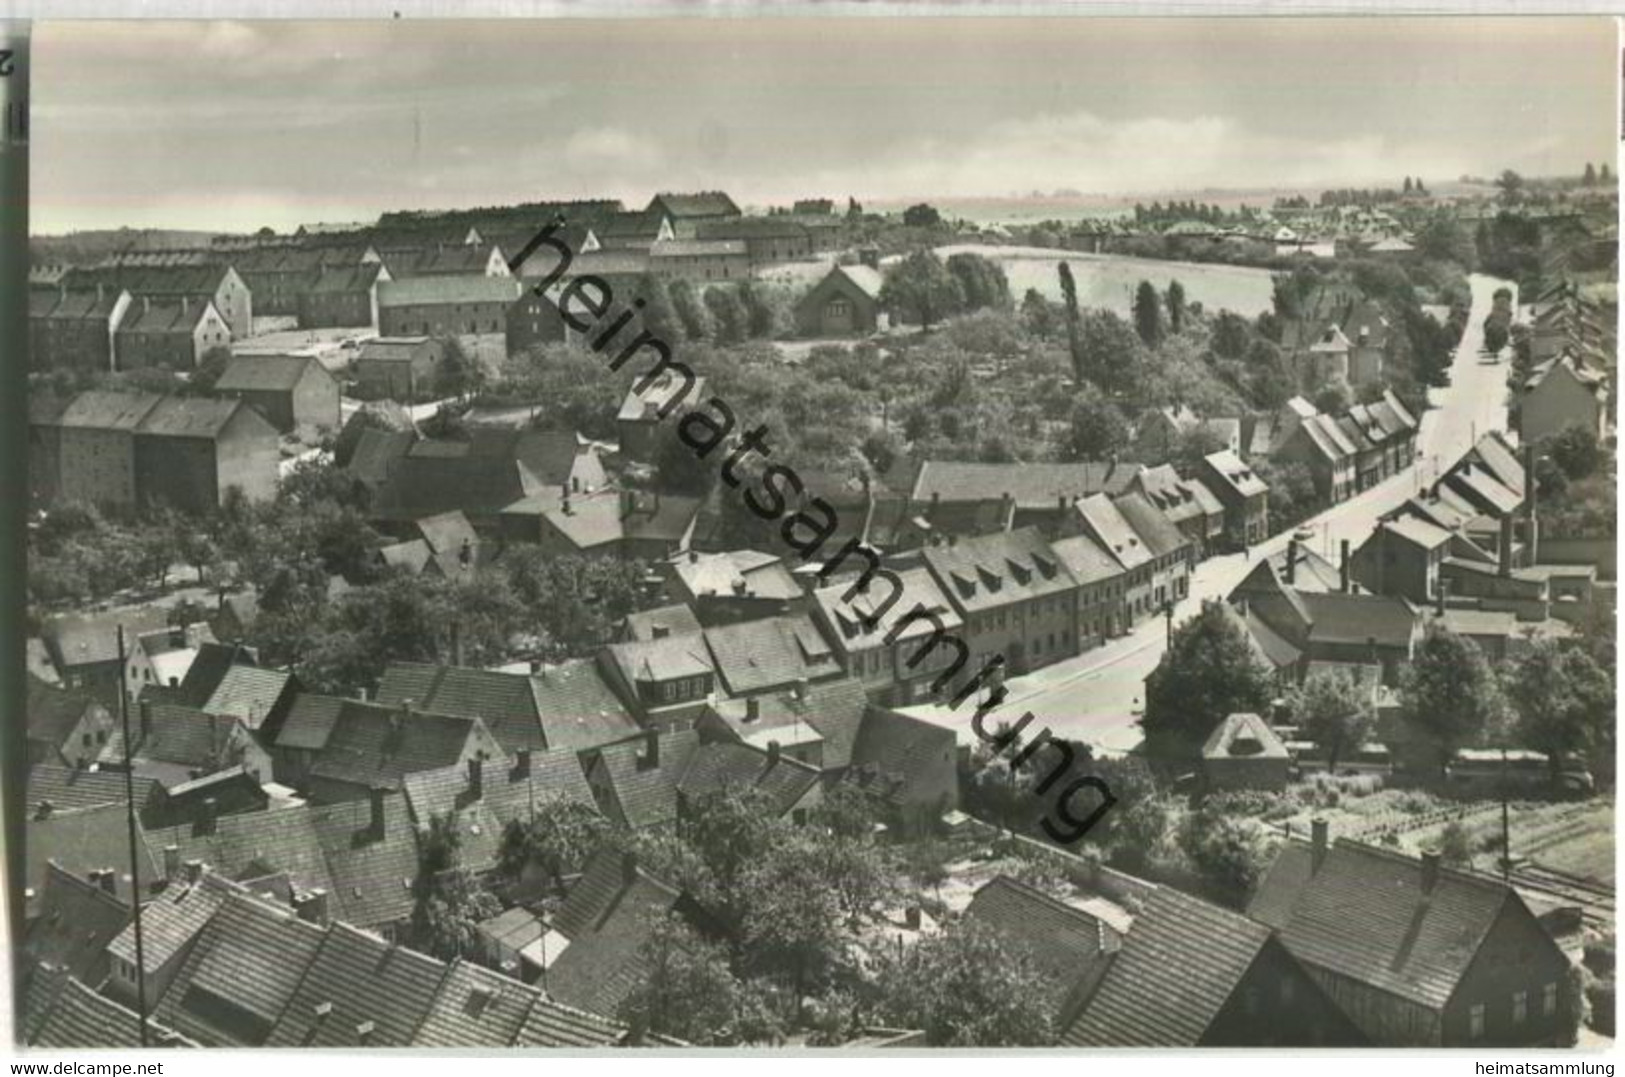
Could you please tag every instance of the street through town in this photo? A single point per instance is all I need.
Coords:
(1096, 697)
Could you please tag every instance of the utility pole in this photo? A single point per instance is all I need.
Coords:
(1168, 620)
(1506, 825)
(135, 864)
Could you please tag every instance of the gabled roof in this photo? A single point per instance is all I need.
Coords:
(863, 622)
(737, 574)
(894, 753)
(1156, 531)
(1032, 485)
(639, 795)
(192, 417)
(722, 765)
(100, 409)
(676, 619)
(265, 373)
(866, 279)
(475, 1007)
(72, 788)
(75, 920)
(1495, 454)
(54, 713)
(1357, 619)
(1066, 945)
(696, 204)
(376, 746)
(1363, 915)
(83, 841)
(1227, 467)
(1112, 528)
(309, 721)
(170, 925)
(79, 1017)
(394, 349)
(830, 712)
(664, 659)
(359, 991)
(774, 652)
(990, 571)
(1417, 531)
(1179, 964)
(1087, 560)
(1243, 736)
(186, 737)
(443, 290)
(608, 926)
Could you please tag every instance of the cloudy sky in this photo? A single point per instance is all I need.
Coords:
(229, 125)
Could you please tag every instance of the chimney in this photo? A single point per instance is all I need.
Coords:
(194, 871)
(476, 777)
(521, 763)
(627, 502)
(44, 810)
(1319, 832)
(535, 666)
(376, 797)
(772, 754)
(564, 506)
(1345, 579)
(172, 863)
(1506, 545)
(693, 557)
(629, 868)
(109, 880)
(1291, 562)
(1430, 872)
(206, 820)
(650, 759)
(312, 906)
(465, 554)
(753, 709)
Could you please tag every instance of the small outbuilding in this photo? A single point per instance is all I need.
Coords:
(845, 303)
(1244, 753)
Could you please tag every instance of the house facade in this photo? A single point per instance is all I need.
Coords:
(294, 393)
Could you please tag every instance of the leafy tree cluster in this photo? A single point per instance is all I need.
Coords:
(1207, 673)
(924, 290)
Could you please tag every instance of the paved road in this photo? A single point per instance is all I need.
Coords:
(1094, 697)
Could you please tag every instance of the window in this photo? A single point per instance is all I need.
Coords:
(84, 739)
(1475, 1022)
(1548, 999)
(1520, 1007)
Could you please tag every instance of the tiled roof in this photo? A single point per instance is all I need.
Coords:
(336, 280)
(376, 746)
(68, 788)
(191, 417)
(53, 712)
(754, 228)
(774, 652)
(1363, 915)
(866, 278)
(91, 839)
(503, 701)
(359, 991)
(1347, 618)
(662, 659)
(895, 752)
(723, 765)
(1114, 531)
(830, 712)
(248, 692)
(577, 707)
(1494, 453)
(601, 966)
(1032, 485)
(253, 844)
(1066, 945)
(79, 1017)
(674, 620)
(1179, 964)
(1243, 735)
(441, 290)
(641, 796)
(170, 925)
(185, 736)
(108, 410)
(309, 721)
(509, 792)
(264, 373)
(1086, 559)
(1228, 467)
(1155, 529)
(741, 573)
(866, 621)
(987, 572)
(393, 349)
(1416, 530)
(447, 531)
(241, 973)
(89, 639)
(696, 204)
(75, 921)
(475, 1007)
(553, 1024)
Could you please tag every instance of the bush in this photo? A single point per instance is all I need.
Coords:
(1600, 997)
(1599, 957)
(1243, 802)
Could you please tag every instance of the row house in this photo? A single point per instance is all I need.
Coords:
(738, 585)
(960, 498)
(1243, 494)
(1304, 436)
(882, 642)
(701, 259)
(1187, 503)
(767, 240)
(1162, 430)
(629, 524)
(170, 333)
(74, 330)
(215, 283)
(344, 296)
(449, 306)
(1103, 587)
(1100, 518)
(1015, 597)
(634, 232)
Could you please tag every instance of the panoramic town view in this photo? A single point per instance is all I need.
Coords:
(865, 536)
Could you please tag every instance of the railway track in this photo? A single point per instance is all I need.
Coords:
(1595, 899)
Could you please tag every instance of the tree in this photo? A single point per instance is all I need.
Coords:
(1456, 845)
(685, 989)
(1564, 704)
(1148, 314)
(1605, 175)
(1111, 353)
(728, 317)
(210, 366)
(448, 903)
(968, 987)
(1333, 399)
(920, 289)
(1231, 335)
(1230, 853)
(981, 281)
(558, 837)
(766, 314)
(459, 373)
(1208, 673)
(1175, 298)
(1575, 451)
(1511, 186)
(1408, 187)
(922, 216)
(1448, 693)
(1590, 177)
(1037, 313)
(1074, 341)
(1447, 240)
(1332, 709)
(692, 312)
(1098, 427)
